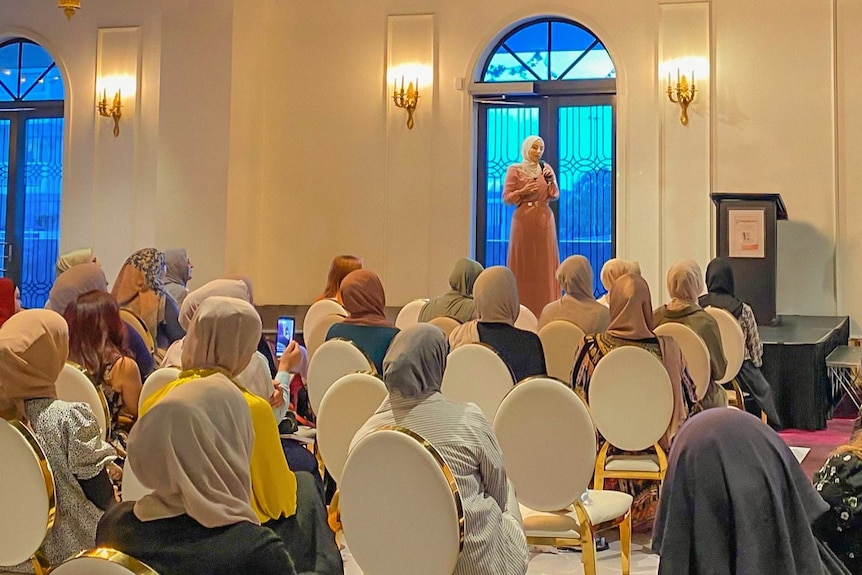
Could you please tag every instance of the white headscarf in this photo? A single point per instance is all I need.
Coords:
(193, 449)
(684, 284)
(614, 268)
(224, 334)
(530, 168)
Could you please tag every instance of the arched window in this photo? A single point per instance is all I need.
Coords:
(31, 167)
(555, 78)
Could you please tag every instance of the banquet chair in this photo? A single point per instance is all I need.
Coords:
(157, 380)
(317, 311)
(556, 506)
(631, 401)
(73, 384)
(409, 314)
(335, 358)
(733, 342)
(694, 351)
(560, 340)
(102, 561)
(476, 373)
(400, 506)
(345, 407)
(446, 324)
(315, 337)
(527, 320)
(27, 501)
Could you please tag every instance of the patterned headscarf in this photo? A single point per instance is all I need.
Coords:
(150, 262)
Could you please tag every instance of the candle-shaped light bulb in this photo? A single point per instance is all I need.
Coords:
(402, 84)
(677, 75)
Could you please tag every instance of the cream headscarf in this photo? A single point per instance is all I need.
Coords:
(496, 295)
(576, 277)
(193, 449)
(221, 287)
(684, 284)
(224, 335)
(613, 268)
(631, 308)
(34, 344)
(530, 168)
(75, 257)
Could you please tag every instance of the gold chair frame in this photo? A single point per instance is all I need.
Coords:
(113, 556)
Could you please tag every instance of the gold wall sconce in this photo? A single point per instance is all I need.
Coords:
(683, 94)
(114, 111)
(69, 7)
(406, 99)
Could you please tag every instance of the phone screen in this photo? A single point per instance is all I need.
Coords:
(284, 334)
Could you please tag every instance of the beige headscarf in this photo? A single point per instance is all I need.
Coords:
(578, 306)
(496, 295)
(78, 280)
(223, 334)
(224, 287)
(34, 344)
(631, 308)
(68, 260)
(576, 277)
(246, 280)
(364, 298)
(684, 284)
(193, 449)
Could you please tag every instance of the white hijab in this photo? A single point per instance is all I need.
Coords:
(530, 168)
(193, 449)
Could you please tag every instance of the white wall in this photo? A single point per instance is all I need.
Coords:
(267, 143)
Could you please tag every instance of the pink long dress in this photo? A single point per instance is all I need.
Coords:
(533, 254)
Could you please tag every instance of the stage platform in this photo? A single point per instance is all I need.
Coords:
(794, 362)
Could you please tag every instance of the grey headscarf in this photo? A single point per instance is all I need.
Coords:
(458, 302)
(178, 274)
(76, 281)
(413, 366)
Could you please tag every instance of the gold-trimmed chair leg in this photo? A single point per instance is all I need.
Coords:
(626, 543)
(588, 540)
(40, 563)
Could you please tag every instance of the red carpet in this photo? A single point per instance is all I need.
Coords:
(822, 442)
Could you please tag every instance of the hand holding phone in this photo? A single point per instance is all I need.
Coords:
(284, 334)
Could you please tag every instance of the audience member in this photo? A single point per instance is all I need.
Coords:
(73, 258)
(736, 501)
(10, 300)
(367, 326)
(578, 305)
(684, 285)
(193, 450)
(496, 296)
(338, 270)
(458, 302)
(413, 371)
(611, 270)
(178, 274)
(719, 282)
(33, 349)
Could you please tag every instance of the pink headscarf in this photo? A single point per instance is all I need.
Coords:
(363, 296)
(630, 308)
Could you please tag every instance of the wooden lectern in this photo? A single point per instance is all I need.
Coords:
(747, 234)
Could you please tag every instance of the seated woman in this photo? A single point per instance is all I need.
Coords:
(97, 343)
(33, 349)
(839, 483)
(611, 270)
(74, 258)
(193, 450)
(221, 339)
(413, 371)
(736, 501)
(178, 274)
(458, 302)
(631, 324)
(578, 305)
(496, 296)
(684, 284)
(720, 284)
(10, 300)
(338, 270)
(367, 326)
(140, 289)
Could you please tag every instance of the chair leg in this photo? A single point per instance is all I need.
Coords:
(626, 543)
(763, 416)
(599, 474)
(588, 548)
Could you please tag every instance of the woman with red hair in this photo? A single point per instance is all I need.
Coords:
(97, 343)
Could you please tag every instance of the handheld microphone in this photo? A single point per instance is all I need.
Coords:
(548, 178)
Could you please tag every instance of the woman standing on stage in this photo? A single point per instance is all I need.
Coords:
(533, 255)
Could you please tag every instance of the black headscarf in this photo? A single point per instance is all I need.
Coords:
(735, 500)
(719, 284)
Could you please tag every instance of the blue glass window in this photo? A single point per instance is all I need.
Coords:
(28, 73)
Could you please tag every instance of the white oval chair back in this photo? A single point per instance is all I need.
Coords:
(315, 337)
(631, 398)
(102, 561)
(446, 324)
(157, 380)
(560, 340)
(527, 320)
(75, 385)
(551, 503)
(732, 341)
(132, 487)
(27, 497)
(476, 373)
(694, 351)
(400, 506)
(318, 310)
(333, 359)
(408, 316)
(345, 407)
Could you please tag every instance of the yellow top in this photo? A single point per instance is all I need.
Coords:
(273, 484)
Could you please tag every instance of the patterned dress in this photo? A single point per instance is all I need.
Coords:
(839, 482)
